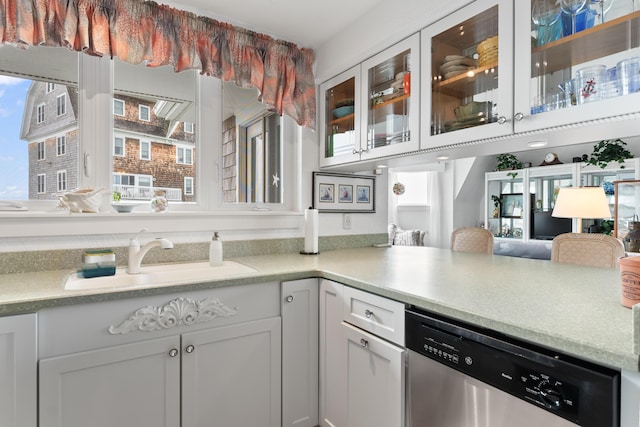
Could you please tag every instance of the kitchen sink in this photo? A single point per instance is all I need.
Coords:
(160, 274)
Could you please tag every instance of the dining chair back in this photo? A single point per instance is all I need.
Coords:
(472, 239)
(587, 249)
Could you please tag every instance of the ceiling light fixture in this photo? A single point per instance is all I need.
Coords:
(537, 144)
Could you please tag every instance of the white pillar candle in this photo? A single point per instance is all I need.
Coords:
(311, 231)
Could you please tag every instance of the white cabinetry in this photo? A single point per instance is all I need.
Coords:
(488, 85)
(18, 371)
(361, 375)
(372, 110)
(533, 191)
(203, 358)
(524, 86)
(300, 353)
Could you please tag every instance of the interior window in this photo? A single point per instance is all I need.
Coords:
(155, 131)
(252, 149)
(38, 106)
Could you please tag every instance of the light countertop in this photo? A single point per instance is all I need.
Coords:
(573, 309)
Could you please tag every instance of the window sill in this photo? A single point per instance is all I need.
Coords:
(63, 223)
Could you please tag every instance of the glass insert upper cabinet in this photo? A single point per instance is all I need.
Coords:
(470, 69)
(368, 111)
(390, 113)
(582, 58)
(340, 131)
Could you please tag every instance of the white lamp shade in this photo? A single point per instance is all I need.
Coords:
(581, 202)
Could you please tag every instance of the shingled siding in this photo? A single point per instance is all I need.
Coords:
(51, 164)
(162, 166)
(229, 159)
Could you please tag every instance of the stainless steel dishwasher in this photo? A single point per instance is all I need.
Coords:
(460, 375)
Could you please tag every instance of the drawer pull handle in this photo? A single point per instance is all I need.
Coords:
(189, 348)
(368, 313)
(364, 343)
(173, 352)
(289, 298)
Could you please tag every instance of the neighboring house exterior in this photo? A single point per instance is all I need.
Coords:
(149, 152)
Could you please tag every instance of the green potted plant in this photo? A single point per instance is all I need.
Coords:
(607, 151)
(508, 161)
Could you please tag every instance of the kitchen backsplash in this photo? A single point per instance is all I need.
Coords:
(71, 259)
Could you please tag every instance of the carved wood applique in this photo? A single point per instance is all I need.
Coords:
(179, 312)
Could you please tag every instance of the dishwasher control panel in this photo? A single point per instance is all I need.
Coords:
(579, 391)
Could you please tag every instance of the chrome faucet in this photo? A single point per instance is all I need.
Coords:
(136, 253)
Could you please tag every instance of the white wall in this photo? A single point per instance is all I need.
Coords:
(381, 27)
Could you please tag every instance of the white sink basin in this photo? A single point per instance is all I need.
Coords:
(160, 274)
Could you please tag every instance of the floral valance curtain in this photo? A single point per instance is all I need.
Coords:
(137, 32)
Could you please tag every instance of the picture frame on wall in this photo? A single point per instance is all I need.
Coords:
(335, 192)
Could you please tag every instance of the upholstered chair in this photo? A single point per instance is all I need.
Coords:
(590, 249)
(472, 239)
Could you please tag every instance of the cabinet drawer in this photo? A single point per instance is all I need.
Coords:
(380, 316)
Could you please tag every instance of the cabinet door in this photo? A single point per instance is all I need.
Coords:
(300, 353)
(556, 82)
(468, 60)
(375, 393)
(390, 96)
(339, 109)
(127, 385)
(18, 371)
(332, 356)
(231, 375)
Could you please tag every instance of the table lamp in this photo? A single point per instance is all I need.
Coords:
(581, 202)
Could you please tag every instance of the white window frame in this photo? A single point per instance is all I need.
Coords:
(142, 108)
(96, 134)
(61, 180)
(61, 145)
(188, 183)
(49, 87)
(61, 104)
(124, 144)
(41, 183)
(40, 113)
(124, 111)
(41, 147)
(187, 127)
(184, 150)
(144, 143)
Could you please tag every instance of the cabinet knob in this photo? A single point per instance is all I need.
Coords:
(289, 298)
(502, 120)
(173, 352)
(518, 116)
(189, 348)
(368, 313)
(355, 151)
(364, 343)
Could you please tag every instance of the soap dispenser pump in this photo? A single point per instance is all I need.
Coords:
(215, 251)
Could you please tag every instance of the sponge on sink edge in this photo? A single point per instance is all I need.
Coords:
(98, 263)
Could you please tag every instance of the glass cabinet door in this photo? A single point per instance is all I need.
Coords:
(591, 176)
(390, 113)
(544, 185)
(507, 204)
(583, 59)
(470, 70)
(339, 108)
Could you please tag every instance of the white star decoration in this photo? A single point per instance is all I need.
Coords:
(276, 178)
